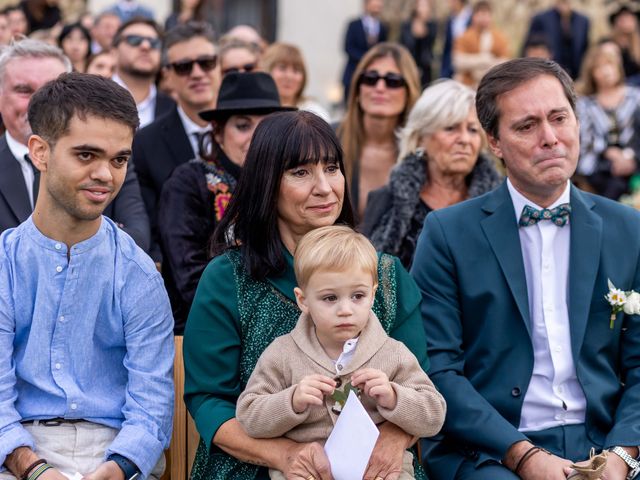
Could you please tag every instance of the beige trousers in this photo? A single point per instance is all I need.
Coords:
(406, 474)
(75, 447)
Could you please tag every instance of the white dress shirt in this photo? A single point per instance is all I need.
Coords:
(554, 396)
(18, 150)
(371, 26)
(192, 129)
(147, 107)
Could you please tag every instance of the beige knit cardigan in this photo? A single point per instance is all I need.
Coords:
(265, 408)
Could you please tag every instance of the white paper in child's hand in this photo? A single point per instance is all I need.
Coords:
(351, 442)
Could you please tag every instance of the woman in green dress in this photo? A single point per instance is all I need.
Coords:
(292, 182)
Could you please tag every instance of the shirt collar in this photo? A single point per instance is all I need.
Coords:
(59, 247)
(18, 150)
(153, 91)
(191, 127)
(519, 201)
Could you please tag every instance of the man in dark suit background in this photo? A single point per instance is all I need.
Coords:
(137, 45)
(513, 286)
(24, 67)
(193, 72)
(567, 33)
(362, 34)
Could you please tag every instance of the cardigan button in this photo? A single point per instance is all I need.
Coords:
(515, 392)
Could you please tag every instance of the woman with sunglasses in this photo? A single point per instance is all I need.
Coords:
(384, 87)
(440, 164)
(284, 62)
(194, 198)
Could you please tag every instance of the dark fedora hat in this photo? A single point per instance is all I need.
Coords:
(246, 93)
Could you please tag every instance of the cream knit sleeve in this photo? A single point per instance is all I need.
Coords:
(265, 408)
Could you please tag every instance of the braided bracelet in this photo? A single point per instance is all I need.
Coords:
(39, 471)
(527, 455)
(25, 474)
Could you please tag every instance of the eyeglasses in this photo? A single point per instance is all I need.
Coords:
(249, 67)
(185, 67)
(391, 80)
(136, 41)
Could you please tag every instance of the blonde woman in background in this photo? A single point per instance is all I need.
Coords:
(285, 64)
(609, 116)
(384, 87)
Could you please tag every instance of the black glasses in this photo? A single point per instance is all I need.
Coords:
(136, 41)
(184, 67)
(249, 67)
(391, 80)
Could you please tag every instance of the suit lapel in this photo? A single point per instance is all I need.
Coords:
(586, 239)
(176, 139)
(501, 230)
(12, 186)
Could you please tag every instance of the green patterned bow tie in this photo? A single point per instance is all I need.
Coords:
(531, 216)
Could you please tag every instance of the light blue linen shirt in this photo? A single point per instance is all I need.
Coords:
(87, 337)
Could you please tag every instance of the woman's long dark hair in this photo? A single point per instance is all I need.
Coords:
(280, 142)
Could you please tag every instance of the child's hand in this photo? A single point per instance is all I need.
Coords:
(311, 390)
(375, 383)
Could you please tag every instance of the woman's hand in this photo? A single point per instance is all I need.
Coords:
(306, 461)
(375, 383)
(311, 391)
(386, 459)
(623, 162)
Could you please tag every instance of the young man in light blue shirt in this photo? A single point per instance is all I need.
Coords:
(86, 347)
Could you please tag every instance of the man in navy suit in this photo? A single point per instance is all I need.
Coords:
(514, 308)
(567, 33)
(362, 34)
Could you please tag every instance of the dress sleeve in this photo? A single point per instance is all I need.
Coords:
(212, 347)
(184, 228)
(408, 327)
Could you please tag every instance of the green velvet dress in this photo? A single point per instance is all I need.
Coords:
(232, 320)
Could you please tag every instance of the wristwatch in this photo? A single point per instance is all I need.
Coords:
(634, 465)
(131, 472)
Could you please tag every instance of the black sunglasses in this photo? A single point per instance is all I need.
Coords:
(249, 67)
(184, 67)
(391, 80)
(136, 41)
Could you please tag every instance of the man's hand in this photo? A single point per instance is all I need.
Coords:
(386, 459)
(106, 471)
(539, 466)
(304, 461)
(311, 391)
(375, 383)
(52, 474)
(616, 468)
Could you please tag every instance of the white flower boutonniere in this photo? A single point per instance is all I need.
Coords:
(621, 301)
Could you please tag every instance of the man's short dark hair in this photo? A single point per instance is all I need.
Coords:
(481, 5)
(53, 106)
(510, 75)
(184, 32)
(135, 21)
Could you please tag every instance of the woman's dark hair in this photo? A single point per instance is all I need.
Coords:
(66, 31)
(280, 142)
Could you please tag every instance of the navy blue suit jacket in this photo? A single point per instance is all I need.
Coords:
(548, 25)
(356, 45)
(469, 268)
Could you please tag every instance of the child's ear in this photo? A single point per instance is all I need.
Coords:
(373, 293)
(301, 300)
